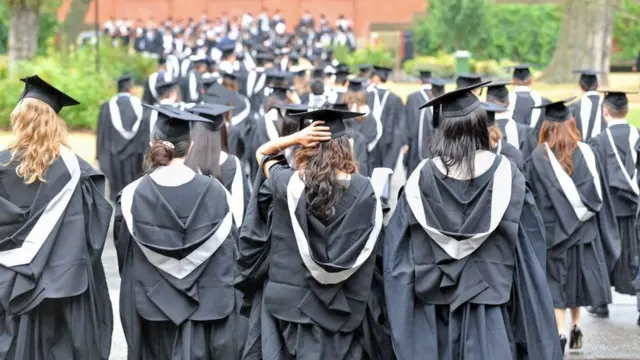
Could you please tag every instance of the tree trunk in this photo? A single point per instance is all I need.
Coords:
(585, 39)
(24, 24)
(74, 23)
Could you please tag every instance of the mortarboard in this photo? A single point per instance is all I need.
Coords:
(208, 80)
(425, 75)
(286, 110)
(556, 111)
(364, 67)
(492, 109)
(334, 119)
(437, 85)
(340, 106)
(356, 84)
(227, 47)
(617, 99)
(382, 71)
(213, 112)
(39, 89)
(497, 90)
(162, 60)
(459, 102)
(264, 57)
(466, 79)
(218, 94)
(229, 75)
(522, 72)
(174, 124)
(318, 73)
(165, 81)
(588, 77)
(124, 79)
(294, 56)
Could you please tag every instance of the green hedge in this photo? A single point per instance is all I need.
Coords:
(368, 55)
(75, 74)
(523, 33)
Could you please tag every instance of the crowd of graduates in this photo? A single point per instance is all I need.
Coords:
(251, 186)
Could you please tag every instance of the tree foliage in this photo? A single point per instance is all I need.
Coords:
(459, 21)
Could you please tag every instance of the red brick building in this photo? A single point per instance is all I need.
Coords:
(362, 12)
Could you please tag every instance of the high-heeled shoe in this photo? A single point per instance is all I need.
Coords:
(575, 338)
(563, 342)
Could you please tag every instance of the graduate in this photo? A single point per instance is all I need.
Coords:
(168, 90)
(368, 125)
(175, 237)
(419, 128)
(122, 137)
(392, 118)
(210, 155)
(357, 141)
(518, 135)
(496, 142)
(466, 79)
(55, 300)
(587, 111)
(308, 250)
(524, 102)
(336, 92)
(149, 95)
(256, 78)
(580, 225)
(617, 149)
(191, 83)
(462, 282)
(421, 96)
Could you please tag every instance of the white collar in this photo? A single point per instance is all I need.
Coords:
(617, 122)
(522, 88)
(591, 93)
(166, 102)
(382, 86)
(124, 94)
(425, 87)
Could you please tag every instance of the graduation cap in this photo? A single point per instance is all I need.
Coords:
(617, 99)
(497, 90)
(165, 82)
(213, 112)
(174, 124)
(437, 85)
(334, 119)
(124, 80)
(340, 106)
(318, 72)
(492, 109)
(218, 94)
(425, 75)
(522, 72)
(162, 60)
(356, 84)
(556, 111)
(229, 75)
(459, 102)
(466, 79)
(588, 77)
(382, 71)
(364, 68)
(39, 89)
(294, 56)
(227, 48)
(209, 80)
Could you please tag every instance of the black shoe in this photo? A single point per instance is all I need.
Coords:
(599, 311)
(563, 343)
(575, 336)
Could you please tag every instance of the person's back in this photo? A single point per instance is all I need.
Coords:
(587, 111)
(55, 300)
(122, 137)
(580, 227)
(322, 223)
(455, 272)
(617, 149)
(174, 234)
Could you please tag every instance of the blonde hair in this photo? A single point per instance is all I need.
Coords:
(38, 134)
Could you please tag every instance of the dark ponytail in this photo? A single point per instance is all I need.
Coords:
(162, 152)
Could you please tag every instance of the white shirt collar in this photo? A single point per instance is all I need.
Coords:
(617, 122)
(505, 115)
(166, 102)
(426, 87)
(125, 94)
(591, 93)
(522, 89)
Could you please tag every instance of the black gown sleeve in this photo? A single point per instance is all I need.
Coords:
(607, 223)
(102, 140)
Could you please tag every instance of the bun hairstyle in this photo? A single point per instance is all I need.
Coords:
(162, 152)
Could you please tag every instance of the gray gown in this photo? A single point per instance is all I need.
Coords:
(175, 238)
(462, 282)
(526, 140)
(588, 115)
(419, 129)
(54, 302)
(393, 124)
(624, 196)
(582, 234)
(122, 141)
(314, 293)
(510, 152)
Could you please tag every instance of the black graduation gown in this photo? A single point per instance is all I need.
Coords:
(510, 152)
(318, 298)
(368, 128)
(190, 87)
(54, 302)
(520, 136)
(263, 131)
(360, 152)
(393, 123)
(418, 130)
(177, 299)
(624, 196)
(234, 180)
(149, 94)
(588, 115)
(582, 239)
(122, 141)
(450, 294)
(522, 101)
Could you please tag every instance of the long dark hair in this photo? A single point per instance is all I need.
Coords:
(207, 146)
(458, 138)
(318, 166)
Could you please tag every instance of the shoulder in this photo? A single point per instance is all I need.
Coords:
(5, 156)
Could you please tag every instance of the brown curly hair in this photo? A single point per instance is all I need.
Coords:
(39, 133)
(319, 165)
(562, 139)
